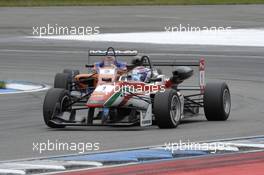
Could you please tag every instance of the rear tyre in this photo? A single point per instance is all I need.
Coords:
(73, 73)
(55, 103)
(167, 109)
(63, 81)
(217, 101)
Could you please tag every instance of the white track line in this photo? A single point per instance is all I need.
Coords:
(234, 37)
(34, 166)
(8, 171)
(256, 145)
(23, 87)
(92, 163)
(41, 51)
(45, 87)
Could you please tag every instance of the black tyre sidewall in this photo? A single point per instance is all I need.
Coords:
(53, 96)
(213, 101)
(162, 105)
(73, 73)
(63, 81)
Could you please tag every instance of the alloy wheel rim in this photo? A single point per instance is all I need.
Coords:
(226, 101)
(175, 109)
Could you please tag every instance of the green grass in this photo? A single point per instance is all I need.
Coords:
(10, 3)
(2, 85)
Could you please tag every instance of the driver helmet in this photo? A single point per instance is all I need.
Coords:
(141, 73)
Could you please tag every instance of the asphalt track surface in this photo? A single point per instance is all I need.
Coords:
(35, 60)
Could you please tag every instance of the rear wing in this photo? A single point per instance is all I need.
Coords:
(109, 52)
(176, 63)
(200, 63)
(113, 52)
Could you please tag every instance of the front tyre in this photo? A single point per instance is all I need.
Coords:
(167, 109)
(55, 103)
(217, 101)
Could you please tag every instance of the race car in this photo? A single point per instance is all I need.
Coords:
(115, 93)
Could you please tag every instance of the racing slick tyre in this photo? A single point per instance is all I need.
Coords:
(217, 101)
(63, 81)
(55, 103)
(73, 73)
(167, 109)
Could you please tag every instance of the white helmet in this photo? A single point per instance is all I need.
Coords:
(141, 73)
